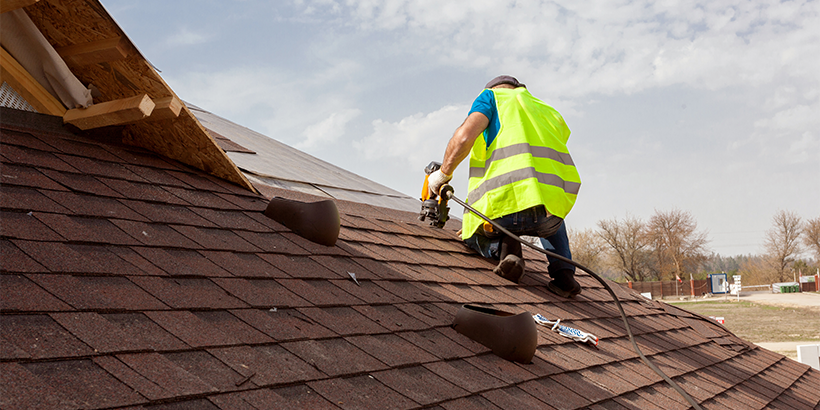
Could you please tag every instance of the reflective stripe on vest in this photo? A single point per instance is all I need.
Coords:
(526, 165)
(523, 148)
(519, 175)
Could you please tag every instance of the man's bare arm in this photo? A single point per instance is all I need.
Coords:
(462, 141)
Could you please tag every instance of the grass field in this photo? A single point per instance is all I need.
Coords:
(761, 323)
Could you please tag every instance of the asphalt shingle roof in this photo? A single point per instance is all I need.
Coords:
(132, 280)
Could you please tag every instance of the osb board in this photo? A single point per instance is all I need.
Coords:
(69, 22)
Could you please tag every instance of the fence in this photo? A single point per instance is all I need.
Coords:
(673, 288)
(701, 287)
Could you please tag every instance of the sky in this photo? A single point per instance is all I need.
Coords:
(709, 107)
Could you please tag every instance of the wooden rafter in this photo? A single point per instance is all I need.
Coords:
(117, 112)
(102, 51)
(21, 81)
(166, 108)
(9, 5)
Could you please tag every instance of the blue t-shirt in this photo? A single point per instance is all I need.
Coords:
(485, 104)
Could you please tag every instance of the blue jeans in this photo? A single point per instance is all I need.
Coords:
(532, 222)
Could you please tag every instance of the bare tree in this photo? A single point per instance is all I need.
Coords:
(676, 244)
(627, 242)
(756, 271)
(782, 243)
(811, 236)
(588, 248)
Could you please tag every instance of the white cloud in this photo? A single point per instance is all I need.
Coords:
(285, 105)
(413, 140)
(186, 37)
(328, 130)
(584, 47)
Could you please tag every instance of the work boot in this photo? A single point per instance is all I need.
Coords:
(510, 268)
(564, 284)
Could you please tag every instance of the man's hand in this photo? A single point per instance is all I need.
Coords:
(436, 180)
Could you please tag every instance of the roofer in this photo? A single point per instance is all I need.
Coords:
(521, 176)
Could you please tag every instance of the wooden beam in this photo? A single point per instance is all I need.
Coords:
(93, 52)
(166, 108)
(117, 112)
(18, 78)
(9, 5)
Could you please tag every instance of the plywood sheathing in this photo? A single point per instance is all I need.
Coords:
(67, 23)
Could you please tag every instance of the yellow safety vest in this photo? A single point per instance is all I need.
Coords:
(527, 164)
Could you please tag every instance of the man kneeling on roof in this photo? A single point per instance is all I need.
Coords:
(521, 176)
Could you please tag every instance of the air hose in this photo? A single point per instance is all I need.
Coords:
(695, 405)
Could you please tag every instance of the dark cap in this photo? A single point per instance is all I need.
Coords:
(504, 79)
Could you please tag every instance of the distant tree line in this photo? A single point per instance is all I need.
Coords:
(669, 246)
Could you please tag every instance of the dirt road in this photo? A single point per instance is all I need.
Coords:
(802, 299)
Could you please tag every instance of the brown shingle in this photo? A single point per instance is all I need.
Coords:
(229, 324)
(41, 337)
(188, 293)
(181, 262)
(343, 320)
(21, 225)
(155, 234)
(391, 349)
(192, 330)
(469, 403)
(216, 239)
(97, 332)
(143, 332)
(20, 294)
(261, 292)
(208, 369)
(31, 391)
(163, 212)
(243, 265)
(282, 324)
(366, 291)
(320, 292)
(465, 375)
(27, 200)
(59, 257)
(499, 368)
(334, 357)
(84, 384)
(557, 395)
(171, 379)
(35, 158)
(299, 397)
(200, 198)
(230, 219)
(420, 384)
(267, 365)
(303, 267)
(273, 244)
(24, 139)
(515, 398)
(101, 168)
(436, 343)
(361, 392)
(390, 317)
(27, 177)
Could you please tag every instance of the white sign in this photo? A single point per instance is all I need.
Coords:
(734, 289)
